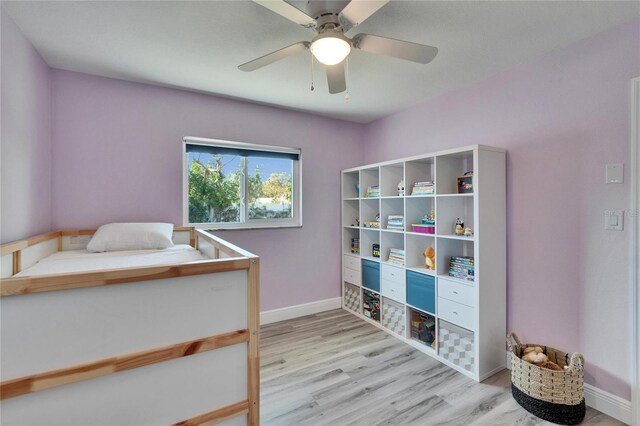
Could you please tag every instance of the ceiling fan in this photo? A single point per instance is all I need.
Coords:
(331, 46)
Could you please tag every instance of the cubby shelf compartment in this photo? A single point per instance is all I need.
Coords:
(350, 212)
(411, 288)
(449, 167)
(416, 244)
(422, 328)
(449, 209)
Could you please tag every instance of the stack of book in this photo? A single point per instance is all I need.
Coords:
(462, 267)
(395, 222)
(422, 188)
(355, 245)
(396, 256)
(372, 192)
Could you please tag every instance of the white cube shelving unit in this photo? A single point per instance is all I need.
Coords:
(466, 320)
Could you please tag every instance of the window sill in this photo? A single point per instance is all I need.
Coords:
(243, 226)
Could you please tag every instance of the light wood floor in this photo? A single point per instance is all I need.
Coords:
(335, 369)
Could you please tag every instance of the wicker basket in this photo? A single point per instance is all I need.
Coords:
(555, 396)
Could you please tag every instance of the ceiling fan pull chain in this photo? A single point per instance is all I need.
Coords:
(312, 73)
(346, 78)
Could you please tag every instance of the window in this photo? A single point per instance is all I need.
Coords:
(240, 185)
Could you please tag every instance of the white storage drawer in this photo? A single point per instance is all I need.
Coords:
(456, 313)
(392, 273)
(456, 292)
(393, 290)
(351, 262)
(351, 276)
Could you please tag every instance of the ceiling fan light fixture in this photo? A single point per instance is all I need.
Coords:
(330, 48)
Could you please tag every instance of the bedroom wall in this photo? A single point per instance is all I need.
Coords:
(562, 118)
(118, 157)
(25, 133)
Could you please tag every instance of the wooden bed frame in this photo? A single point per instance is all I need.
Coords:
(220, 294)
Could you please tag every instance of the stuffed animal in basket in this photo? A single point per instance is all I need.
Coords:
(534, 355)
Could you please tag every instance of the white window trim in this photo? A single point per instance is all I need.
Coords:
(296, 203)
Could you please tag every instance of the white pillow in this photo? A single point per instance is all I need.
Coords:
(131, 236)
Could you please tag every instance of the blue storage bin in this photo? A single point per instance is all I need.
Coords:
(371, 275)
(421, 291)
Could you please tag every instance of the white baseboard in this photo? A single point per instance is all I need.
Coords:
(608, 403)
(603, 401)
(275, 315)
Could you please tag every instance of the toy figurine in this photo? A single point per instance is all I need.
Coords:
(459, 227)
(401, 188)
(429, 258)
(468, 232)
(358, 189)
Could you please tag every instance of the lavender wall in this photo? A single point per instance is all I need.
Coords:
(25, 135)
(562, 118)
(118, 157)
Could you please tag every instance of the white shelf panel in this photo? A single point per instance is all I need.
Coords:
(422, 270)
(371, 258)
(458, 280)
(421, 310)
(420, 196)
(455, 195)
(395, 231)
(456, 237)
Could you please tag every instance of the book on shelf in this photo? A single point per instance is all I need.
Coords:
(395, 222)
(422, 188)
(396, 256)
(372, 192)
(462, 267)
(355, 245)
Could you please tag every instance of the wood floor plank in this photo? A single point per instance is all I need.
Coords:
(335, 369)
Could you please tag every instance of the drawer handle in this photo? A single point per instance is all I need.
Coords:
(455, 292)
(455, 312)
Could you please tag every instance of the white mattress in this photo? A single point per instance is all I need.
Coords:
(84, 261)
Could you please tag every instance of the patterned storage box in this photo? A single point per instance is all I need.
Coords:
(352, 297)
(393, 316)
(456, 345)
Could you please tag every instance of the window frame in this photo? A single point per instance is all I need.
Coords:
(296, 188)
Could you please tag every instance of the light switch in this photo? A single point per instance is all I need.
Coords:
(615, 173)
(614, 220)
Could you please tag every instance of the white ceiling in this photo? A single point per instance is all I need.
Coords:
(198, 46)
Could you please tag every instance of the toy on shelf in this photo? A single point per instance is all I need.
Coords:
(468, 232)
(357, 189)
(373, 223)
(427, 225)
(375, 250)
(459, 229)
(465, 183)
(401, 188)
(429, 258)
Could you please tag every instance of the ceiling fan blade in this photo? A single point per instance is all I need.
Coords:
(407, 50)
(285, 10)
(357, 11)
(336, 78)
(274, 56)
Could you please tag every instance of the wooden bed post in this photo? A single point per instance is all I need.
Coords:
(253, 353)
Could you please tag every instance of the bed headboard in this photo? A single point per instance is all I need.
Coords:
(19, 255)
